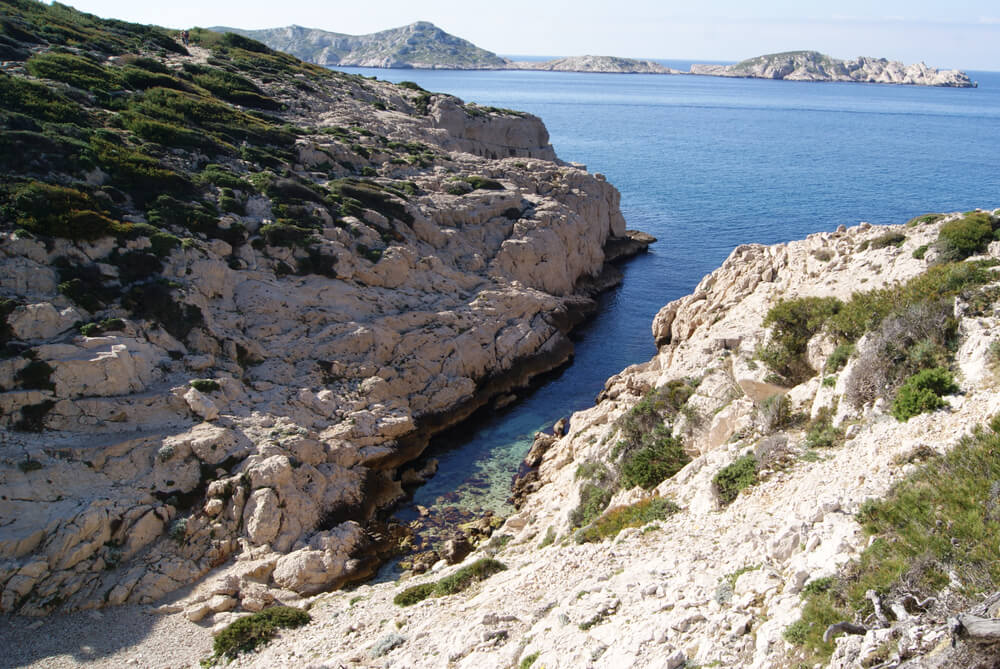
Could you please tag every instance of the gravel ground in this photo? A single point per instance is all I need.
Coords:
(128, 636)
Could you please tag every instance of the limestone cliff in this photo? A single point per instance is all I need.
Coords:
(814, 66)
(716, 577)
(239, 292)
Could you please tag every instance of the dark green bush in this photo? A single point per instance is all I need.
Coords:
(924, 220)
(593, 499)
(284, 234)
(480, 570)
(965, 236)
(204, 385)
(920, 251)
(661, 458)
(59, 211)
(735, 477)
(142, 79)
(414, 594)
(73, 70)
(922, 392)
(635, 515)
(822, 433)
(39, 102)
(793, 323)
(246, 634)
(839, 357)
(483, 183)
(888, 239)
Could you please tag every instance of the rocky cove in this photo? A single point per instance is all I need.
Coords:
(392, 256)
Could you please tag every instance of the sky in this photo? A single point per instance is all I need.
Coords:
(963, 34)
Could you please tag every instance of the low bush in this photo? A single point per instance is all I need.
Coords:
(73, 70)
(924, 220)
(246, 634)
(204, 385)
(480, 570)
(593, 500)
(839, 357)
(285, 234)
(920, 251)
(661, 456)
(966, 236)
(483, 183)
(734, 478)
(635, 515)
(822, 433)
(888, 239)
(922, 392)
(792, 323)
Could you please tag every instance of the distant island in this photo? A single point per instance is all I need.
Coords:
(422, 45)
(815, 66)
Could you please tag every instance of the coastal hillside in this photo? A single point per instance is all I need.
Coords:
(606, 64)
(803, 475)
(419, 45)
(815, 66)
(240, 292)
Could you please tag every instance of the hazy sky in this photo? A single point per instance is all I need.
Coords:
(962, 34)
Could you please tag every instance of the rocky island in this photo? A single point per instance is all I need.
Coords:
(815, 66)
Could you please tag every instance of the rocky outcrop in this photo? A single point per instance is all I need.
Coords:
(239, 394)
(814, 66)
(419, 45)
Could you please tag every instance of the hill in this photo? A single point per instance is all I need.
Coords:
(418, 45)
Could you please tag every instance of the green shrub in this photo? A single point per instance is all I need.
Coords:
(593, 499)
(39, 102)
(792, 323)
(71, 69)
(922, 392)
(414, 594)
(59, 211)
(661, 458)
(246, 634)
(411, 85)
(635, 515)
(98, 328)
(822, 433)
(480, 570)
(204, 385)
(888, 239)
(528, 660)
(839, 357)
(924, 220)
(735, 477)
(965, 236)
(284, 234)
(483, 183)
(920, 251)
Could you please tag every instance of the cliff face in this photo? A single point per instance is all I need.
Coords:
(227, 328)
(420, 45)
(814, 66)
(714, 576)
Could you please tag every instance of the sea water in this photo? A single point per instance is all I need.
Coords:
(705, 164)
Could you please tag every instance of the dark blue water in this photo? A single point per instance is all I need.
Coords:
(705, 164)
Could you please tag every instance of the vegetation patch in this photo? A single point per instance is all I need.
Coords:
(246, 634)
(792, 324)
(922, 392)
(924, 220)
(734, 478)
(204, 385)
(937, 526)
(480, 570)
(635, 515)
(59, 211)
(965, 236)
(888, 239)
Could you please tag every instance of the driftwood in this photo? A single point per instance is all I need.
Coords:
(974, 628)
(845, 627)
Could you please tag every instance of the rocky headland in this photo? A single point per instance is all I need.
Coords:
(815, 66)
(604, 64)
(239, 294)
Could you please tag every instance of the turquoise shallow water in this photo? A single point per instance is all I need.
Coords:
(705, 164)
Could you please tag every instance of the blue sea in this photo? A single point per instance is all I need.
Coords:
(705, 164)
